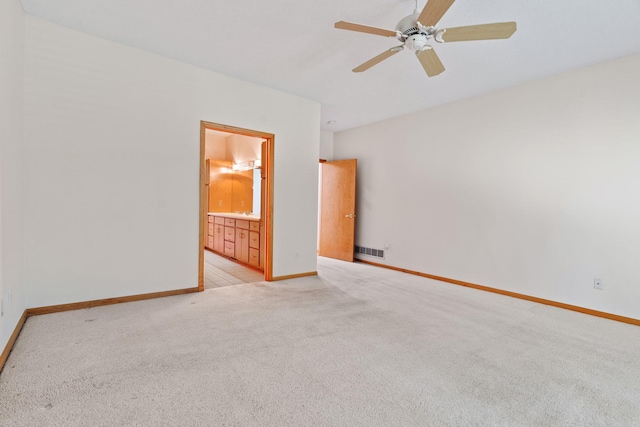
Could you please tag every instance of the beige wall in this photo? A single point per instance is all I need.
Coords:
(12, 166)
(326, 145)
(532, 189)
(115, 158)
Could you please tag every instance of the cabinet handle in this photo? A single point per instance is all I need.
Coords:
(350, 216)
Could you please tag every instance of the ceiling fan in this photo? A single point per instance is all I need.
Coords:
(417, 29)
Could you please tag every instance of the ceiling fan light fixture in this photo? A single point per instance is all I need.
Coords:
(416, 42)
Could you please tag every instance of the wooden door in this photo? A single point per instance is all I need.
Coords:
(337, 209)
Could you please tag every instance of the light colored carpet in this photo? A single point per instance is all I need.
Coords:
(356, 346)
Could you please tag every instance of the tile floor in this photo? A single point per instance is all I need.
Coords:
(220, 271)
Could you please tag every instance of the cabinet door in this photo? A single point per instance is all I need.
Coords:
(242, 245)
(218, 238)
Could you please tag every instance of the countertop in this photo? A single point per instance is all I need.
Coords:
(234, 215)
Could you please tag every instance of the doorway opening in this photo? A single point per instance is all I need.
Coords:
(236, 205)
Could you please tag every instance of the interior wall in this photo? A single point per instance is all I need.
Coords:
(12, 287)
(533, 189)
(114, 158)
(215, 146)
(326, 145)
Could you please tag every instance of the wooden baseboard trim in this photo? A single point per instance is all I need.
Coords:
(293, 276)
(583, 310)
(108, 301)
(12, 340)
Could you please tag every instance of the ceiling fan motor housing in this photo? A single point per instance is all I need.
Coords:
(408, 25)
(416, 42)
(414, 37)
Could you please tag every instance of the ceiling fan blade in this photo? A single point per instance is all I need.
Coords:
(430, 62)
(343, 25)
(499, 30)
(433, 11)
(373, 61)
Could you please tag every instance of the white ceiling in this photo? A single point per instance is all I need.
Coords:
(291, 45)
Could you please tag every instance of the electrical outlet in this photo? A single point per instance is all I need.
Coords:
(597, 283)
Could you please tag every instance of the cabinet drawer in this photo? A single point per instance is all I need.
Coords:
(254, 225)
(254, 257)
(254, 239)
(230, 249)
(230, 234)
(210, 230)
(229, 222)
(210, 242)
(242, 223)
(219, 220)
(210, 218)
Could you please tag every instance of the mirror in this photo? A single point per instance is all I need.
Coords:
(230, 190)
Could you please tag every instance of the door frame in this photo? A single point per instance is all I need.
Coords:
(266, 212)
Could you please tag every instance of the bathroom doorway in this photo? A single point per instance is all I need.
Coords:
(236, 205)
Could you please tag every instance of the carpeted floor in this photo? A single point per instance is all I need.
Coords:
(357, 345)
